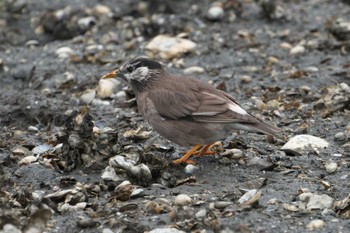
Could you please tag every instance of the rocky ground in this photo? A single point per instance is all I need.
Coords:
(75, 155)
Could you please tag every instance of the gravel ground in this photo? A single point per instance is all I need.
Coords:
(75, 155)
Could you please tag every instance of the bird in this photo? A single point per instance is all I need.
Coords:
(185, 110)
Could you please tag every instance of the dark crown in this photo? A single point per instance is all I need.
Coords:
(145, 62)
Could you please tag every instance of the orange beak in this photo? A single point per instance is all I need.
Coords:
(112, 74)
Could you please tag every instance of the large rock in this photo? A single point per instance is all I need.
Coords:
(304, 143)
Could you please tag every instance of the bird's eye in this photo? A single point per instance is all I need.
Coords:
(129, 69)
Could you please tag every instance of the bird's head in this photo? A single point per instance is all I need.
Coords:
(138, 72)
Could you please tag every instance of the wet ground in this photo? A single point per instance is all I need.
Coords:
(66, 150)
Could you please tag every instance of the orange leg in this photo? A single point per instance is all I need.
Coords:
(205, 150)
(185, 157)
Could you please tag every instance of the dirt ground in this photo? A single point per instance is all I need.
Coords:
(65, 149)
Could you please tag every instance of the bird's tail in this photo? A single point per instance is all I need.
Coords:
(259, 126)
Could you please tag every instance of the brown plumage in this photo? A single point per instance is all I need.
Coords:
(186, 111)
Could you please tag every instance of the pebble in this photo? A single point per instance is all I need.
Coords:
(316, 224)
(182, 200)
(32, 129)
(259, 103)
(194, 70)
(88, 96)
(166, 230)
(190, 169)
(285, 45)
(297, 49)
(215, 13)
(137, 193)
(106, 87)
(311, 69)
(246, 79)
(86, 22)
(128, 207)
(20, 151)
(9, 228)
(40, 149)
(107, 230)
(331, 166)
(304, 89)
(302, 143)
(341, 136)
(64, 52)
(100, 9)
(201, 214)
(168, 47)
(316, 202)
(222, 204)
(232, 153)
(273, 60)
(272, 104)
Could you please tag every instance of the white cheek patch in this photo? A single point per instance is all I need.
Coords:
(237, 109)
(142, 73)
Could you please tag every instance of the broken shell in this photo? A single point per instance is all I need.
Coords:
(232, 154)
(137, 134)
(123, 191)
(27, 160)
(250, 197)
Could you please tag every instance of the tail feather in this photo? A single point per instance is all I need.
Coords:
(259, 126)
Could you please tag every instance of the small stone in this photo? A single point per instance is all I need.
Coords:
(316, 224)
(166, 230)
(86, 22)
(9, 228)
(168, 47)
(297, 49)
(320, 202)
(222, 204)
(100, 9)
(88, 96)
(304, 89)
(190, 169)
(246, 79)
(331, 166)
(285, 45)
(107, 230)
(137, 193)
(64, 52)
(272, 104)
(303, 143)
(194, 70)
(311, 69)
(33, 129)
(341, 136)
(20, 151)
(215, 13)
(201, 214)
(106, 87)
(273, 60)
(259, 103)
(182, 200)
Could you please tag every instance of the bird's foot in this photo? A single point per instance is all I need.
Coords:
(196, 152)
